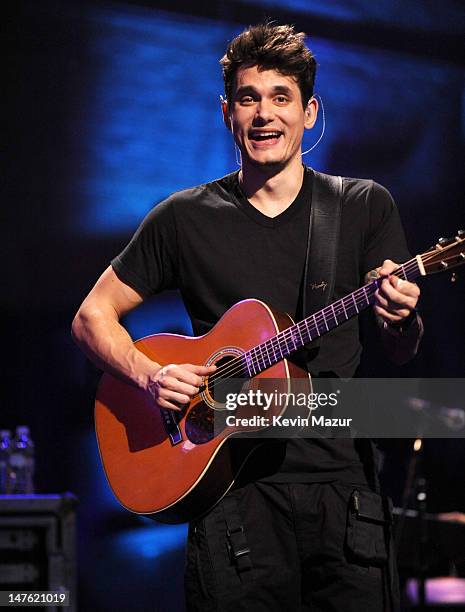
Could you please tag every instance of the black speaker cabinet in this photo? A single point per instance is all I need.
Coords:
(37, 544)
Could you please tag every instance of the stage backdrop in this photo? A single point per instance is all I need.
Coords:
(112, 107)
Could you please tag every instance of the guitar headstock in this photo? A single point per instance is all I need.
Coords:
(448, 253)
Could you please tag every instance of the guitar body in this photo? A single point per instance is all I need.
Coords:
(177, 470)
(175, 466)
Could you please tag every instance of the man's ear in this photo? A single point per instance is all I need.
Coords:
(311, 113)
(224, 110)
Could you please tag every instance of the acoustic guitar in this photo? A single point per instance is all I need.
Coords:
(175, 466)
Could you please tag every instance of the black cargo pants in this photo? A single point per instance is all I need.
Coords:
(271, 547)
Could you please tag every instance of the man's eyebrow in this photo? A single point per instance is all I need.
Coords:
(244, 89)
(282, 89)
(248, 89)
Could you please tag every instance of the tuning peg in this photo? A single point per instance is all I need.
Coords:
(453, 277)
(461, 233)
(444, 265)
(442, 241)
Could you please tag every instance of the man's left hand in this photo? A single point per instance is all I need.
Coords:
(396, 298)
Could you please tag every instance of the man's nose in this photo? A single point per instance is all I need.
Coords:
(265, 110)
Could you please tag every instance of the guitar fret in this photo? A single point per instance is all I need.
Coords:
(266, 348)
(300, 334)
(366, 295)
(294, 340)
(247, 361)
(262, 360)
(275, 347)
(308, 331)
(404, 273)
(258, 361)
(280, 349)
(254, 360)
(315, 324)
(334, 314)
(324, 320)
(286, 347)
(292, 337)
(288, 342)
(272, 346)
(355, 303)
(344, 307)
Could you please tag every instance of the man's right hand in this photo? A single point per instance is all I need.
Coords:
(174, 385)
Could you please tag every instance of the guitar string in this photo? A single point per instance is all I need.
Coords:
(280, 341)
(279, 344)
(405, 268)
(334, 311)
(238, 365)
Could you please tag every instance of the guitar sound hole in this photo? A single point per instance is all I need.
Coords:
(224, 380)
(207, 417)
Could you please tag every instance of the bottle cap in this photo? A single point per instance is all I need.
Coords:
(22, 430)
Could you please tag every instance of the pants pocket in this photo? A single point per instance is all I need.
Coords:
(368, 528)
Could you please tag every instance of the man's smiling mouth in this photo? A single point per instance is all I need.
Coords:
(264, 135)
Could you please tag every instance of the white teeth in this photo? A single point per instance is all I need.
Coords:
(266, 134)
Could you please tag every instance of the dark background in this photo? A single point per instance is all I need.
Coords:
(109, 108)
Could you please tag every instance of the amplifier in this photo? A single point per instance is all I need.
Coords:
(37, 544)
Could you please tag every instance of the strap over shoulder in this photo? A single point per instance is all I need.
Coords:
(323, 242)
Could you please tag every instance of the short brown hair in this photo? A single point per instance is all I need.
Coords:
(271, 47)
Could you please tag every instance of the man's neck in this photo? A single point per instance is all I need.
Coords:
(271, 193)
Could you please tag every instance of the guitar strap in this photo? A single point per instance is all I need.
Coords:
(320, 264)
(319, 280)
(321, 259)
(322, 243)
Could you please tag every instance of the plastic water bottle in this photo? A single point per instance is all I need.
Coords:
(5, 451)
(22, 462)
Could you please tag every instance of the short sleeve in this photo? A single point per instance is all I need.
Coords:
(148, 264)
(385, 237)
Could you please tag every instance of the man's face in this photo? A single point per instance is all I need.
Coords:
(267, 118)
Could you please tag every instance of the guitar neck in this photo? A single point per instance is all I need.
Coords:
(293, 338)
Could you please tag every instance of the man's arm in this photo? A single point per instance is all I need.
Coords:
(97, 330)
(395, 302)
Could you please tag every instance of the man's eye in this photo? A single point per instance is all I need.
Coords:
(282, 99)
(246, 100)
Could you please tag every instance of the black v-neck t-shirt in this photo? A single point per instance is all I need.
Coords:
(213, 245)
(282, 245)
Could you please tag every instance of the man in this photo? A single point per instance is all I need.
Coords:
(284, 537)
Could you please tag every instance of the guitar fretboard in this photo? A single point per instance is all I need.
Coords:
(288, 341)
